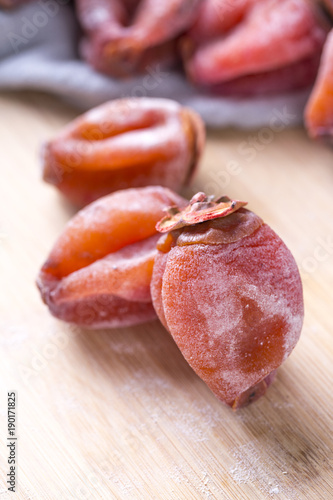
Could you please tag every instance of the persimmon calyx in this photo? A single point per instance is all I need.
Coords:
(201, 208)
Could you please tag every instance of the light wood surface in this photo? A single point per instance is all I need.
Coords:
(119, 414)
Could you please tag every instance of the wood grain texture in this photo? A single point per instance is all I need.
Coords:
(119, 414)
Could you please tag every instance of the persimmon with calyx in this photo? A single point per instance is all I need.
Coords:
(228, 290)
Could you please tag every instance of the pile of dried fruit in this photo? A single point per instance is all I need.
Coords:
(220, 280)
(226, 47)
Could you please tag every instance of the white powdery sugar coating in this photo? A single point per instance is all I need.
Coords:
(219, 322)
(68, 402)
(16, 335)
(194, 421)
(295, 323)
(225, 304)
(294, 320)
(250, 467)
(204, 487)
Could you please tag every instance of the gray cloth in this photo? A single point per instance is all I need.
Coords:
(38, 50)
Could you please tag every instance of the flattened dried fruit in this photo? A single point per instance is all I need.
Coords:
(125, 37)
(99, 270)
(319, 110)
(258, 39)
(122, 144)
(229, 291)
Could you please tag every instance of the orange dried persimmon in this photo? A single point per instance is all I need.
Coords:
(255, 47)
(126, 143)
(99, 270)
(319, 109)
(228, 290)
(131, 36)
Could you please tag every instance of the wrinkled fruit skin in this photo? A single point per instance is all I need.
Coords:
(133, 35)
(98, 273)
(224, 53)
(123, 144)
(319, 110)
(229, 292)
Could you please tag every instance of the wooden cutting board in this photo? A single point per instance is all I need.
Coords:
(118, 414)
